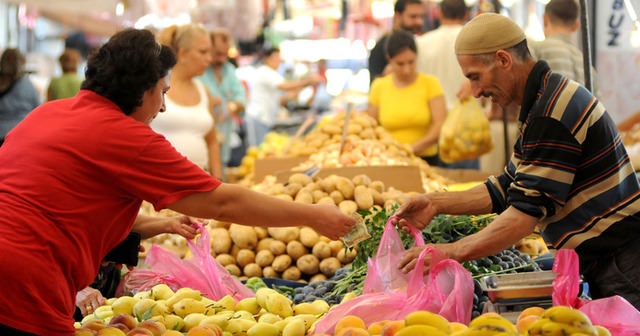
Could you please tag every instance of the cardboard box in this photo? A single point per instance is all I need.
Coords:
(404, 178)
(462, 175)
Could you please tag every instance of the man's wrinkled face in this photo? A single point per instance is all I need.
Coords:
(487, 79)
(412, 18)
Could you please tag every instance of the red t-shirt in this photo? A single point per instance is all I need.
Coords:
(72, 177)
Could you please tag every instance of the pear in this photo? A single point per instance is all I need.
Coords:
(188, 306)
(261, 296)
(279, 304)
(173, 322)
(161, 292)
(183, 293)
(146, 308)
(220, 320)
(263, 329)
(239, 326)
(295, 327)
(193, 320)
(249, 304)
(270, 318)
(243, 314)
(124, 305)
(143, 295)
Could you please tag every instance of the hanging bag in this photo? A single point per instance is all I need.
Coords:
(465, 133)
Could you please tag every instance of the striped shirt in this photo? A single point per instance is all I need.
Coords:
(570, 169)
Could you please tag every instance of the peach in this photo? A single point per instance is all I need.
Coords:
(349, 321)
(156, 328)
(128, 320)
(523, 324)
(217, 330)
(120, 326)
(139, 331)
(172, 333)
(85, 332)
(352, 331)
(392, 327)
(94, 325)
(375, 328)
(111, 331)
(201, 331)
(535, 310)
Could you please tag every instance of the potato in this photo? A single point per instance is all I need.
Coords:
(292, 189)
(308, 264)
(318, 194)
(361, 180)
(281, 263)
(336, 196)
(225, 259)
(300, 178)
(245, 257)
(276, 189)
(312, 186)
(363, 197)
(336, 246)
(264, 258)
(377, 185)
(264, 244)
(326, 200)
(304, 196)
(321, 250)
(269, 272)
(285, 234)
(346, 256)
(377, 197)
(308, 236)
(318, 277)
(291, 273)
(328, 184)
(243, 236)
(252, 270)
(219, 224)
(346, 187)
(234, 250)
(220, 240)
(295, 249)
(348, 207)
(284, 197)
(261, 232)
(329, 266)
(234, 269)
(277, 247)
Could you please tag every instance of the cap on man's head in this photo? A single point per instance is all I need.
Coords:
(486, 33)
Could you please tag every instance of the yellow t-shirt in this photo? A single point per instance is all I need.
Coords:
(404, 112)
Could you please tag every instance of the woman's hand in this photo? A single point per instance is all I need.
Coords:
(184, 226)
(88, 300)
(331, 222)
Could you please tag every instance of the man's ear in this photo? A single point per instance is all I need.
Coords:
(575, 26)
(503, 58)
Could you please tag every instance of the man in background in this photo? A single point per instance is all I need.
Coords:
(558, 48)
(436, 56)
(407, 15)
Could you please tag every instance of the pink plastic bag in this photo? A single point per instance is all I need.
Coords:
(201, 272)
(446, 290)
(138, 280)
(614, 313)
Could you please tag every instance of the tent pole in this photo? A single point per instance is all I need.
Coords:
(586, 45)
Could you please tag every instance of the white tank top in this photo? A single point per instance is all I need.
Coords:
(186, 126)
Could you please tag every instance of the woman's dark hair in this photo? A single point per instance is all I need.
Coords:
(128, 65)
(399, 41)
(12, 64)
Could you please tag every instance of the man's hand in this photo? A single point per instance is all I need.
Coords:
(417, 211)
(184, 226)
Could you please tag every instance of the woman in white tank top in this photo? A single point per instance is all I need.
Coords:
(187, 121)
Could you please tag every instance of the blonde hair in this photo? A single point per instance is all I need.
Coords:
(181, 37)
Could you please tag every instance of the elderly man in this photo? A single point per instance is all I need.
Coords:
(569, 176)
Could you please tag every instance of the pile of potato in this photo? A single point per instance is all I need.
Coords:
(292, 253)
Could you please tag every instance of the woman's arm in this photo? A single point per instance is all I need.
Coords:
(438, 109)
(237, 204)
(372, 110)
(211, 139)
(149, 226)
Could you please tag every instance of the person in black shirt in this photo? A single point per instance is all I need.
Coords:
(408, 15)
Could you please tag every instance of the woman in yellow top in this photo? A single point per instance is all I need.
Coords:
(408, 104)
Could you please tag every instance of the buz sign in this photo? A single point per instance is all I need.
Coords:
(616, 20)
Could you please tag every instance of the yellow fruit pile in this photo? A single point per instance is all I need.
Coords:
(561, 320)
(164, 313)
